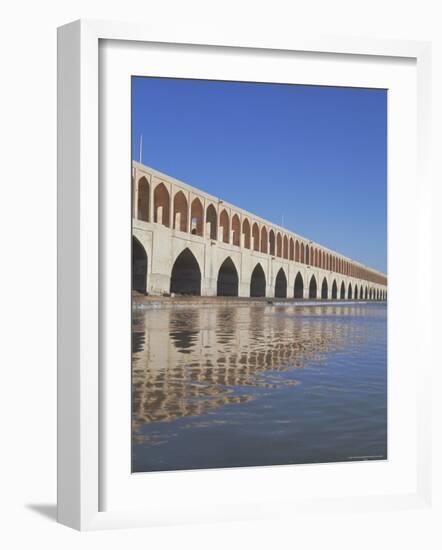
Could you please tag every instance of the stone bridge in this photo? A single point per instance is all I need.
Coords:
(186, 241)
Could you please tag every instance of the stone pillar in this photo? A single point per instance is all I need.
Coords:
(135, 196)
(203, 221)
(177, 221)
(189, 213)
(160, 214)
(171, 207)
(151, 204)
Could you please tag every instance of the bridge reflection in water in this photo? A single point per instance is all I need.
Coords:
(261, 384)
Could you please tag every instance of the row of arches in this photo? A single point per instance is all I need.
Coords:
(186, 279)
(217, 223)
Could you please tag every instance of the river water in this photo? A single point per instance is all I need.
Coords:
(218, 385)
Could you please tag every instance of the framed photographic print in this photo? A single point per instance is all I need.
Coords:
(230, 330)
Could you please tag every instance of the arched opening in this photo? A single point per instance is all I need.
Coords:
(258, 282)
(180, 212)
(227, 283)
(186, 275)
(297, 256)
(246, 233)
(356, 292)
(264, 236)
(302, 253)
(334, 290)
(143, 200)
(307, 255)
(342, 295)
(313, 288)
(139, 266)
(236, 230)
(324, 289)
(370, 294)
(272, 242)
(291, 249)
(212, 222)
(281, 285)
(366, 293)
(224, 226)
(279, 245)
(196, 217)
(299, 286)
(285, 248)
(161, 205)
(350, 292)
(255, 236)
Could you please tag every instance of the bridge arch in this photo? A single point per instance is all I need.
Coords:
(342, 293)
(279, 245)
(291, 249)
(246, 233)
(281, 284)
(297, 252)
(324, 289)
(264, 238)
(236, 230)
(161, 205)
(211, 220)
(356, 292)
(299, 286)
(227, 281)
(139, 266)
(302, 253)
(186, 274)
(313, 288)
(285, 247)
(350, 292)
(180, 211)
(224, 224)
(334, 290)
(258, 282)
(366, 293)
(272, 242)
(307, 255)
(196, 217)
(255, 236)
(143, 199)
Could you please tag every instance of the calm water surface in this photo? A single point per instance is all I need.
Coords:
(246, 385)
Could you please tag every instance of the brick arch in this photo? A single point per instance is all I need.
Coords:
(246, 233)
(264, 240)
(180, 211)
(161, 199)
(143, 199)
(224, 225)
(236, 230)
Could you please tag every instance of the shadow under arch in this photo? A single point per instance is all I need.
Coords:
(334, 290)
(258, 282)
(139, 266)
(227, 282)
(281, 284)
(313, 288)
(186, 275)
(299, 286)
(342, 294)
(324, 289)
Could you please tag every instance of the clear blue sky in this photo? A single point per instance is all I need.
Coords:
(313, 156)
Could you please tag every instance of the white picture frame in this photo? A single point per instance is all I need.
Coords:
(80, 263)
